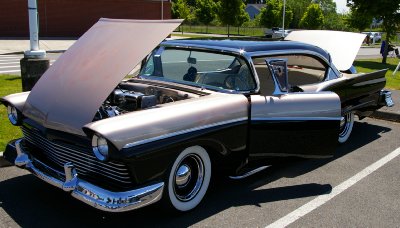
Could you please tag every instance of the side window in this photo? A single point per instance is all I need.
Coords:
(148, 69)
(304, 69)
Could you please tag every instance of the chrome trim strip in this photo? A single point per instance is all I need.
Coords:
(295, 118)
(169, 135)
(254, 171)
(91, 194)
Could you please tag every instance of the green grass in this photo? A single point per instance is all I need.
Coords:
(8, 84)
(190, 35)
(370, 65)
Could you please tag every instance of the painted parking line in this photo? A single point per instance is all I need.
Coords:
(7, 60)
(15, 66)
(11, 55)
(9, 71)
(1, 63)
(321, 200)
(8, 57)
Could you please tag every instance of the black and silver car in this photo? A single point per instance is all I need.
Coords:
(196, 108)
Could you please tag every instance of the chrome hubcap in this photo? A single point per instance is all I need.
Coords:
(183, 176)
(342, 122)
(189, 177)
(345, 122)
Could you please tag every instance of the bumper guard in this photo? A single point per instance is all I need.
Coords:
(88, 193)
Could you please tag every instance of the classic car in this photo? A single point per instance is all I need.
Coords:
(196, 107)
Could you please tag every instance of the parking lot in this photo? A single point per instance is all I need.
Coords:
(358, 187)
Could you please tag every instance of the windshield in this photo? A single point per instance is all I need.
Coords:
(199, 68)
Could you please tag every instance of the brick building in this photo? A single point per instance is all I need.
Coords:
(71, 18)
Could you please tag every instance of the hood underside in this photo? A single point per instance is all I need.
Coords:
(342, 46)
(70, 92)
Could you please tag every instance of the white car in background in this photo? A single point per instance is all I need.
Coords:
(372, 35)
(276, 32)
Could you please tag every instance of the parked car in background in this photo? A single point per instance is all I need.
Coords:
(373, 35)
(276, 33)
(197, 108)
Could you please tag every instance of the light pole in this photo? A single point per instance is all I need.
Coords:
(162, 9)
(283, 19)
(34, 51)
(34, 63)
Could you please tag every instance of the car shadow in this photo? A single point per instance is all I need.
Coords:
(33, 203)
(13, 78)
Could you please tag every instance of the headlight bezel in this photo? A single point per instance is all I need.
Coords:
(100, 147)
(14, 116)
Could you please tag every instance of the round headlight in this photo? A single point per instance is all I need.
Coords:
(100, 147)
(13, 115)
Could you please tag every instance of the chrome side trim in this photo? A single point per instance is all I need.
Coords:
(88, 193)
(295, 118)
(169, 135)
(254, 171)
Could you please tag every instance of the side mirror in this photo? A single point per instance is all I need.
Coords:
(279, 72)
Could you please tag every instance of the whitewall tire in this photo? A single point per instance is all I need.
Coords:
(189, 178)
(346, 126)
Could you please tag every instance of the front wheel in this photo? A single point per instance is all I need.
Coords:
(189, 178)
(346, 126)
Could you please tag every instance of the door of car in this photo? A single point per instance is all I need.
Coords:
(292, 123)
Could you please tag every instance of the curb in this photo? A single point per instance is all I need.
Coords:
(4, 162)
(388, 116)
(21, 52)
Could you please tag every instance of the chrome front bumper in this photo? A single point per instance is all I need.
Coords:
(88, 193)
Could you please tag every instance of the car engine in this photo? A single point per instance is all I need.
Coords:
(125, 99)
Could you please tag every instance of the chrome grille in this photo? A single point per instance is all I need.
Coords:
(83, 159)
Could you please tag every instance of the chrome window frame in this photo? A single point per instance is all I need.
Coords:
(266, 54)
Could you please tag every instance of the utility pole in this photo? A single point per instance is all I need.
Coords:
(162, 9)
(283, 19)
(34, 63)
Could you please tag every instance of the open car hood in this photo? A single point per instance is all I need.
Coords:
(70, 92)
(342, 46)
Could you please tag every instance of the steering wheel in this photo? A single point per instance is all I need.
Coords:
(234, 82)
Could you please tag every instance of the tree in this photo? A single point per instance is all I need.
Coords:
(335, 21)
(232, 13)
(327, 6)
(332, 20)
(298, 8)
(271, 14)
(205, 12)
(179, 9)
(312, 18)
(358, 21)
(387, 10)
